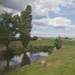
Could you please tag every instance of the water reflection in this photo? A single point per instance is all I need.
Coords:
(24, 59)
(38, 55)
(27, 58)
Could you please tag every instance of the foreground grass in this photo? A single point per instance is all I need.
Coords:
(66, 66)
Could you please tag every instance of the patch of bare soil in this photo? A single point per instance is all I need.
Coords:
(58, 62)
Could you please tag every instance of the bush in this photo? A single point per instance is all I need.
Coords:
(59, 43)
(66, 38)
(34, 38)
(40, 48)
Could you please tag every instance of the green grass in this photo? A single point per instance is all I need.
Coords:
(43, 42)
(70, 42)
(66, 67)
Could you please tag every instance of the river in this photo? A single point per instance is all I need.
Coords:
(21, 60)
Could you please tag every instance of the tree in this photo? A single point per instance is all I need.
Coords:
(26, 19)
(59, 42)
(34, 38)
(66, 37)
(6, 35)
(24, 26)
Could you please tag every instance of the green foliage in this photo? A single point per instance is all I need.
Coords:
(11, 25)
(66, 38)
(23, 25)
(6, 34)
(34, 38)
(40, 48)
(25, 40)
(59, 42)
(8, 55)
(16, 45)
(17, 51)
(26, 19)
(70, 42)
(5, 29)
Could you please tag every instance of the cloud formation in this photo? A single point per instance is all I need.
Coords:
(40, 7)
(40, 12)
(58, 22)
(5, 9)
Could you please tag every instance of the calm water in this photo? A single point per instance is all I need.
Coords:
(32, 56)
(24, 59)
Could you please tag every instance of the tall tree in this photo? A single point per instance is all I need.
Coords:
(6, 33)
(26, 18)
(23, 25)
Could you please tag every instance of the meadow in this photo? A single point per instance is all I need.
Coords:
(61, 62)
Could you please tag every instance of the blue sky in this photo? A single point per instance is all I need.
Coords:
(51, 18)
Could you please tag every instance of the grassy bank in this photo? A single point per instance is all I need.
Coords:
(61, 62)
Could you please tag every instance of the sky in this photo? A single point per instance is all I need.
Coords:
(51, 18)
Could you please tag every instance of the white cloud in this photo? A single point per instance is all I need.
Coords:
(53, 34)
(70, 27)
(55, 22)
(17, 13)
(40, 8)
(38, 33)
(43, 21)
(73, 12)
(5, 9)
(40, 27)
(60, 21)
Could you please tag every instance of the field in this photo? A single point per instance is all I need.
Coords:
(50, 42)
(44, 45)
(43, 42)
(61, 62)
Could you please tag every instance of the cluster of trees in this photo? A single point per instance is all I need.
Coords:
(11, 25)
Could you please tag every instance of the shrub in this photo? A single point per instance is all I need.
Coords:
(40, 48)
(66, 38)
(34, 38)
(59, 43)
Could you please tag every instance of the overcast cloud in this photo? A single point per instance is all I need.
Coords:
(40, 12)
